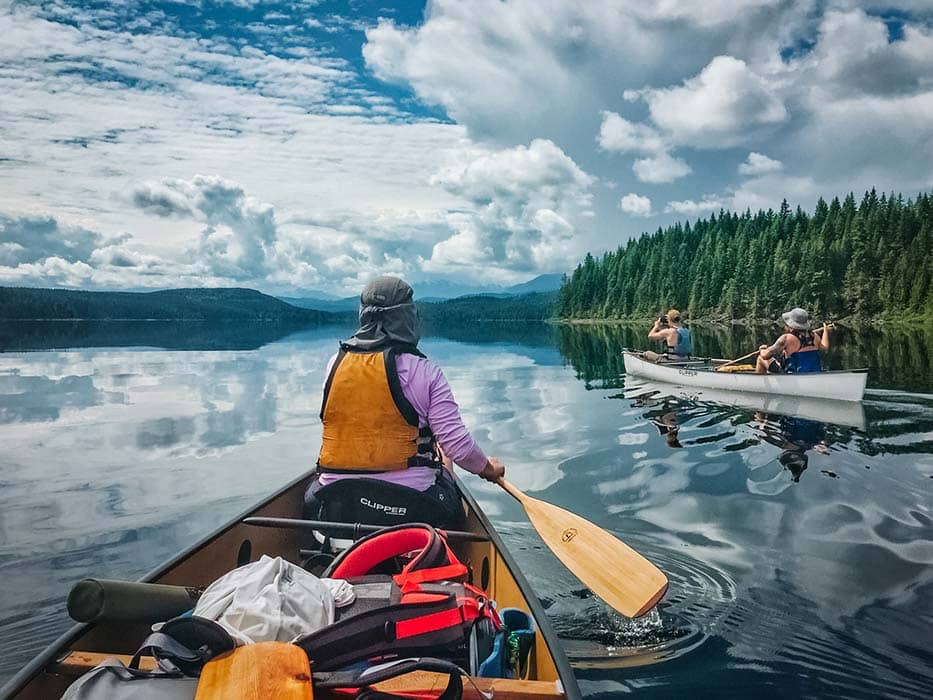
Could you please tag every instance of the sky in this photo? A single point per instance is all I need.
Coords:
(295, 146)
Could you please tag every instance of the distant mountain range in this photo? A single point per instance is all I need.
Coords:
(199, 304)
(430, 292)
(237, 305)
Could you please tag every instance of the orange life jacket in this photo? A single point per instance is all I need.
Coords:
(369, 425)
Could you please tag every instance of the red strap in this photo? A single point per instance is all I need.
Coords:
(451, 572)
(418, 597)
(428, 623)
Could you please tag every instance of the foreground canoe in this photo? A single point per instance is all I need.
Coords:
(549, 676)
(848, 413)
(847, 385)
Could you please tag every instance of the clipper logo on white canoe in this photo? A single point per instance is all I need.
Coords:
(388, 510)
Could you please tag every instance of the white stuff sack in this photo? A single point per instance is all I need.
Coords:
(271, 600)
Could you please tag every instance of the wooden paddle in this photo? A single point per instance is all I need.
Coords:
(264, 670)
(607, 566)
(738, 359)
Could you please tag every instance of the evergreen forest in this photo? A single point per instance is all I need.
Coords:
(867, 260)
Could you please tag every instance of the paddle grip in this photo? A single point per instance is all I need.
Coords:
(98, 600)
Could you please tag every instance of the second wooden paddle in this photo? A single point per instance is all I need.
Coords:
(738, 359)
(607, 566)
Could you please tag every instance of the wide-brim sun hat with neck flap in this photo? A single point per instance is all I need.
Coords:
(798, 319)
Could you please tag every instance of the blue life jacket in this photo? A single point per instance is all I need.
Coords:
(684, 344)
(802, 432)
(803, 361)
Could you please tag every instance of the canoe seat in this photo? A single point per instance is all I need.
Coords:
(375, 502)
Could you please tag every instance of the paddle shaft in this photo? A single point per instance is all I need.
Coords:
(611, 569)
(738, 359)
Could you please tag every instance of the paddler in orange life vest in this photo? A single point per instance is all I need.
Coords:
(388, 411)
(797, 350)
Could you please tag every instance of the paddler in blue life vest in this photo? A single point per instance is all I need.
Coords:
(390, 419)
(797, 350)
(677, 344)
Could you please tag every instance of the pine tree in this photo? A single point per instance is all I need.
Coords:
(848, 258)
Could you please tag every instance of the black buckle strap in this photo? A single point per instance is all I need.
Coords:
(366, 677)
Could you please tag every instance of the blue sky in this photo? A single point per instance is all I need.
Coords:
(308, 145)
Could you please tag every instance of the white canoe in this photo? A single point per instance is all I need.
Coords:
(847, 385)
(848, 413)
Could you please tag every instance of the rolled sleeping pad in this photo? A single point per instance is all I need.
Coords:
(97, 600)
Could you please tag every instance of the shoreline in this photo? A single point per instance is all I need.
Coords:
(912, 323)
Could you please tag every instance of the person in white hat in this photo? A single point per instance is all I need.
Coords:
(797, 350)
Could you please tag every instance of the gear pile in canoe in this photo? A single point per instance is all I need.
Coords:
(273, 606)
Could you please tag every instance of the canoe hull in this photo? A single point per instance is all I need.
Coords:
(237, 542)
(841, 386)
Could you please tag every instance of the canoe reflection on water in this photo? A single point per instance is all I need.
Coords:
(849, 413)
(796, 425)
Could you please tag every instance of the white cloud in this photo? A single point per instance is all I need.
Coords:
(722, 106)
(322, 178)
(853, 55)
(530, 68)
(527, 203)
(239, 235)
(759, 164)
(32, 239)
(618, 134)
(768, 190)
(636, 204)
(661, 168)
(688, 207)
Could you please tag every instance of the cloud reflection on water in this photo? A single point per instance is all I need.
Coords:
(115, 459)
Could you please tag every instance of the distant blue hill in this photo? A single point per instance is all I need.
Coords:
(332, 305)
(541, 283)
(197, 304)
(430, 292)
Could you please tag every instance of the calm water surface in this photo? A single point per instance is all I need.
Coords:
(798, 537)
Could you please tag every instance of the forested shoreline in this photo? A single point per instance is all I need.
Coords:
(868, 260)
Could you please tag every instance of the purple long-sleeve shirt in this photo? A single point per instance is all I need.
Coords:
(426, 388)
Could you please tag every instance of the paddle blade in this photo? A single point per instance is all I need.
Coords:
(264, 670)
(607, 566)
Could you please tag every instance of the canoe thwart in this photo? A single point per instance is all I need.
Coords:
(352, 530)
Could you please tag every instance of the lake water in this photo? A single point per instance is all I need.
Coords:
(799, 549)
